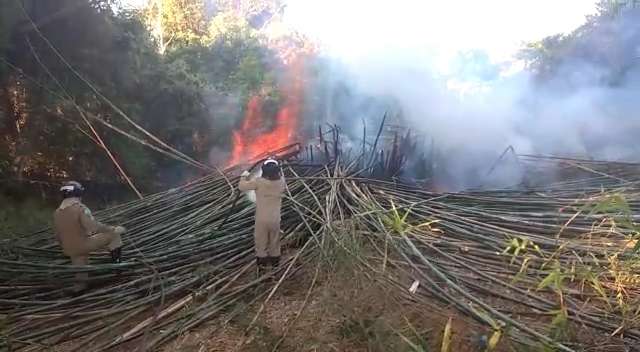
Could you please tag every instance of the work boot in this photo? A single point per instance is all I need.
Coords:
(260, 271)
(262, 261)
(261, 265)
(116, 255)
(274, 261)
(264, 268)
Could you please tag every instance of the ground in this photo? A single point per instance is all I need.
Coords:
(344, 312)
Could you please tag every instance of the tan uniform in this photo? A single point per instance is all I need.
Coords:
(80, 234)
(268, 202)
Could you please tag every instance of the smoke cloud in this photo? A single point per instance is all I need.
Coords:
(587, 106)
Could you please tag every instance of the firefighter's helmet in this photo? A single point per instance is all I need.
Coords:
(72, 189)
(271, 169)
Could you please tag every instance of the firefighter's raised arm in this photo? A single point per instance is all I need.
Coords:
(91, 225)
(247, 184)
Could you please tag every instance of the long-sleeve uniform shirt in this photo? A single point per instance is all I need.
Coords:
(75, 226)
(268, 202)
(268, 197)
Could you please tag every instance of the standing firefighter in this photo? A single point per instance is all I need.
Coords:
(269, 189)
(79, 233)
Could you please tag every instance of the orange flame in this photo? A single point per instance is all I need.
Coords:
(250, 141)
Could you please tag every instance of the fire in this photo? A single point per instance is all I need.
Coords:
(251, 140)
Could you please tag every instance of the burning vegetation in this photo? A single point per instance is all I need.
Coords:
(550, 267)
(404, 228)
(259, 134)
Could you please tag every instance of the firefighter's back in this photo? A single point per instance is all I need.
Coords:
(269, 200)
(69, 229)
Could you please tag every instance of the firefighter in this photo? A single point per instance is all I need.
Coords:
(79, 233)
(269, 189)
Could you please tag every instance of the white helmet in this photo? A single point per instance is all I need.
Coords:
(270, 161)
(72, 189)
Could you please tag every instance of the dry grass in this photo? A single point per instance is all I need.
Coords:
(347, 311)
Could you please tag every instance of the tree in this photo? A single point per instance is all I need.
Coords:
(608, 42)
(175, 23)
(45, 136)
(257, 13)
(186, 80)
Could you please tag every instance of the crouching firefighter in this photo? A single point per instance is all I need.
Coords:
(269, 189)
(79, 233)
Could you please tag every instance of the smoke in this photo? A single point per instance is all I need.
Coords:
(224, 112)
(585, 106)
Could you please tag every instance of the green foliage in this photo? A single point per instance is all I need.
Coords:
(25, 216)
(10, 15)
(588, 275)
(615, 208)
(256, 12)
(171, 82)
(228, 27)
(522, 245)
(494, 340)
(554, 279)
(397, 222)
(5, 165)
(625, 275)
(615, 204)
(543, 57)
(559, 325)
(607, 41)
(175, 23)
(446, 337)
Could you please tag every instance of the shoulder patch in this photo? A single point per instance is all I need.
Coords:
(87, 212)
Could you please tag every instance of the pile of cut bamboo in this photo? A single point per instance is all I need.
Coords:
(531, 264)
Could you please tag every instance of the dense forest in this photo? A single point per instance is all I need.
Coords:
(92, 90)
(77, 73)
(498, 214)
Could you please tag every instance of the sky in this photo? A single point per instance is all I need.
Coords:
(355, 29)
(410, 50)
(352, 28)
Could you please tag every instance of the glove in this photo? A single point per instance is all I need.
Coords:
(245, 174)
(120, 230)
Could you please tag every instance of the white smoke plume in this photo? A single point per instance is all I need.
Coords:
(481, 106)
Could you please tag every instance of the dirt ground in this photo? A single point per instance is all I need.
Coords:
(343, 312)
(347, 309)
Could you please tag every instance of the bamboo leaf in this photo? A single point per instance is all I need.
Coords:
(548, 281)
(522, 271)
(597, 286)
(537, 249)
(485, 316)
(404, 217)
(559, 324)
(494, 340)
(446, 337)
(428, 223)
